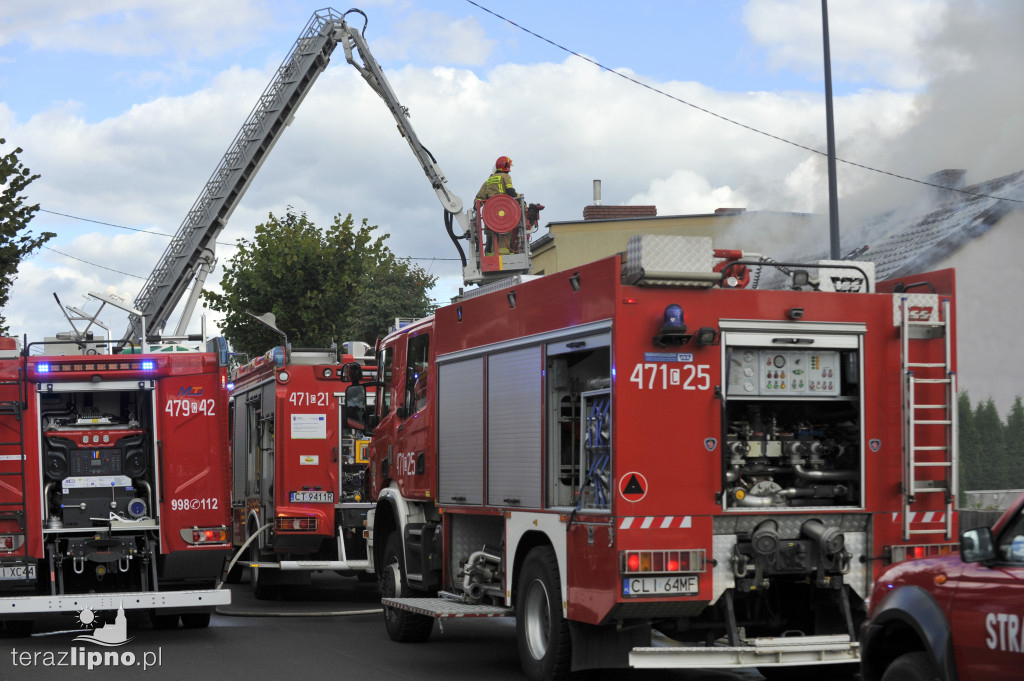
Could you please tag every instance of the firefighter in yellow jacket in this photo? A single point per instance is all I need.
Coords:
(499, 182)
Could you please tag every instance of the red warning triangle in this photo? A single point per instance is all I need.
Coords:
(633, 486)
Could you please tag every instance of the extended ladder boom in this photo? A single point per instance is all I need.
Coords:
(191, 252)
(510, 217)
(190, 255)
(358, 54)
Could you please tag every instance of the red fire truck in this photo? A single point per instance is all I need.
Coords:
(297, 503)
(648, 464)
(113, 483)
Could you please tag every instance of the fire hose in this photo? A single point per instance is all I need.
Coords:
(267, 613)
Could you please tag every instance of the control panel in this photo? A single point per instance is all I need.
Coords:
(758, 372)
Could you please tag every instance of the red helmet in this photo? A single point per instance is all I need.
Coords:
(504, 164)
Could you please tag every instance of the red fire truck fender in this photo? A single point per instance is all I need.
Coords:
(392, 513)
(517, 526)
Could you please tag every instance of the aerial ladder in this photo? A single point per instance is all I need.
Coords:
(191, 253)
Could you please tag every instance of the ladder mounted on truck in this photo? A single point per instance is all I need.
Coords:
(190, 256)
(13, 398)
(929, 427)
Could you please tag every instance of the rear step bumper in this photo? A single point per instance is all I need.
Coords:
(761, 652)
(129, 600)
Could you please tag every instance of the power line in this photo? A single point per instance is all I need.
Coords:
(730, 120)
(103, 267)
(111, 224)
(135, 229)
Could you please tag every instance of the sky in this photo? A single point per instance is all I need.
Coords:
(125, 108)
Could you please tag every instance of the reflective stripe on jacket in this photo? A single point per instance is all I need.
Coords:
(496, 184)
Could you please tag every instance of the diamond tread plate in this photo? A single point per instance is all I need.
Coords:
(442, 607)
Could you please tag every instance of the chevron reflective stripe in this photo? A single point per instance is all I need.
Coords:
(922, 517)
(657, 522)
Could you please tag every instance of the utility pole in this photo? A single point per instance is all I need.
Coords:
(833, 194)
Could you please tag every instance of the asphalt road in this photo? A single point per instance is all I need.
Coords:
(330, 630)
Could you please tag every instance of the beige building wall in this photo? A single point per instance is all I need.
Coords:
(571, 244)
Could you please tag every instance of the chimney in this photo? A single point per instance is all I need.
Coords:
(599, 212)
(953, 178)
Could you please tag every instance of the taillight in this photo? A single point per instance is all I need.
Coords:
(6, 542)
(682, 560)
(198, 536)
(912, 551)
(295, 524)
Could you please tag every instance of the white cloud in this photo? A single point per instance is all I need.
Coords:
(564, 123)
(342, 153)
(128, 27)
(868, 39)
(687, 192)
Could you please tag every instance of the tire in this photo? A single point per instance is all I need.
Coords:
(195, 620)
(832, 672)
(164, 621)
(911, 667)
(542, 634)
(259, 579)
(20, 628)
(234, 575)
(403, 626)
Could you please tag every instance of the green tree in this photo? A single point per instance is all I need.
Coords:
(970, 454)
(393, 288)
(992, 446)
(1015, 445)
(16, 242)
(323, 286)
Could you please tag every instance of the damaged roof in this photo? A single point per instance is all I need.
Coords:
(905, 242)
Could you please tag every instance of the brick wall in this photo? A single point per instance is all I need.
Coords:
(618, 212)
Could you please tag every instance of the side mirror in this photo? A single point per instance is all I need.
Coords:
(976, 545)
(352, 372)
(353, 412)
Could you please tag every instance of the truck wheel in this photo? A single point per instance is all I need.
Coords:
(19, 628)
(259, 578)
(403, 626)
(163, 620)
(234, 575)
(911, 667)
(545, 649)
(836, 672)
(195, 620)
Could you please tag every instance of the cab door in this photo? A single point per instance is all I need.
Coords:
(414, 414)
(382, 444)
(987, 619)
